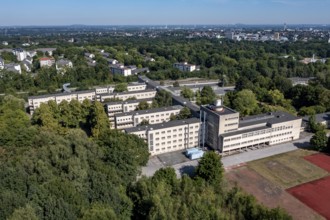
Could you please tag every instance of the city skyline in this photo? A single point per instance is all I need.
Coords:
(170, 12)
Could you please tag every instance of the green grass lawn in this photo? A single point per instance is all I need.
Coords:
(289, 169)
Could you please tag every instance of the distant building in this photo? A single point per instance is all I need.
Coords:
(20, 54)
(323, 118)
(112, 61)
(2, 64)
(5, 43)
(312, 60)
(47, 51)
(120, 69)
(13, 67)
(63, 64)
(300, 80)
(276, 36)
(46, 61)
(90, 55)
(27, 65)
(185, 67)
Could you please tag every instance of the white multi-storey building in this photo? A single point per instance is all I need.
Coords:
(153, 116)
(223, 130)
(145, 94)
(185, 67)
(113, 108)
(130, 87)
(170, 136)
(35, 101)
(20, 54)
(120, 69)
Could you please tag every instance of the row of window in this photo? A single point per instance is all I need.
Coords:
(175, 146)
(278, 135)
(227, 125)
(233, 118)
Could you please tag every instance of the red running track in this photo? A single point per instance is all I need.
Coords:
(315, 194)
(321, 160)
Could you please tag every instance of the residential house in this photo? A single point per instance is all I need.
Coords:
(63, 64)
(47, 61)
(13, 67)
(47, 51)
(185, 67)
(120, 69)
(89, 55)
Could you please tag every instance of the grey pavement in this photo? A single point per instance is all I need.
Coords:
(233, 160)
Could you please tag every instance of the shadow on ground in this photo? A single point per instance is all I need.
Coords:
(188, 170)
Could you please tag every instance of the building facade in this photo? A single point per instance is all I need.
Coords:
(185, 67)
(153, 116)
(113, 108)
(35, 101)
(170, 136)
(225, 131)
(144, 94)
(46, 61)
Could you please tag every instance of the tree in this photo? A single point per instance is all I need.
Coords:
(144, 122)
(210, 168)
(184, 113)
(24, 213)
(245, 102)
(187, 93)
(121, 87)
(162, 99)
(313, 125)
(275, 97)
(319, 140)
(144, 105)
(98, 120)
(176, 84)
(207, 95)
(328, 146)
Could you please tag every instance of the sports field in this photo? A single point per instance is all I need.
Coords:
(289, 169)
(268, 180)
(315, 194)
(321, 160)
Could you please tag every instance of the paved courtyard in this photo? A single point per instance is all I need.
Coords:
(183, 165)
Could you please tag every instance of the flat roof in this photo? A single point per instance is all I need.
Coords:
(129, 92)
(128, 101)
(270, 118)
(233, 133)
(318, 117)
(61, 94)
(153, 110)
(224, 110)
(163, 125)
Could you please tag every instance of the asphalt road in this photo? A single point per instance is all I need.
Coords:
(233, 160)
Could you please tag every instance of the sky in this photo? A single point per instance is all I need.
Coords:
(163, 12)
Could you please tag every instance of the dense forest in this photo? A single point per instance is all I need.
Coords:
(65, 163)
